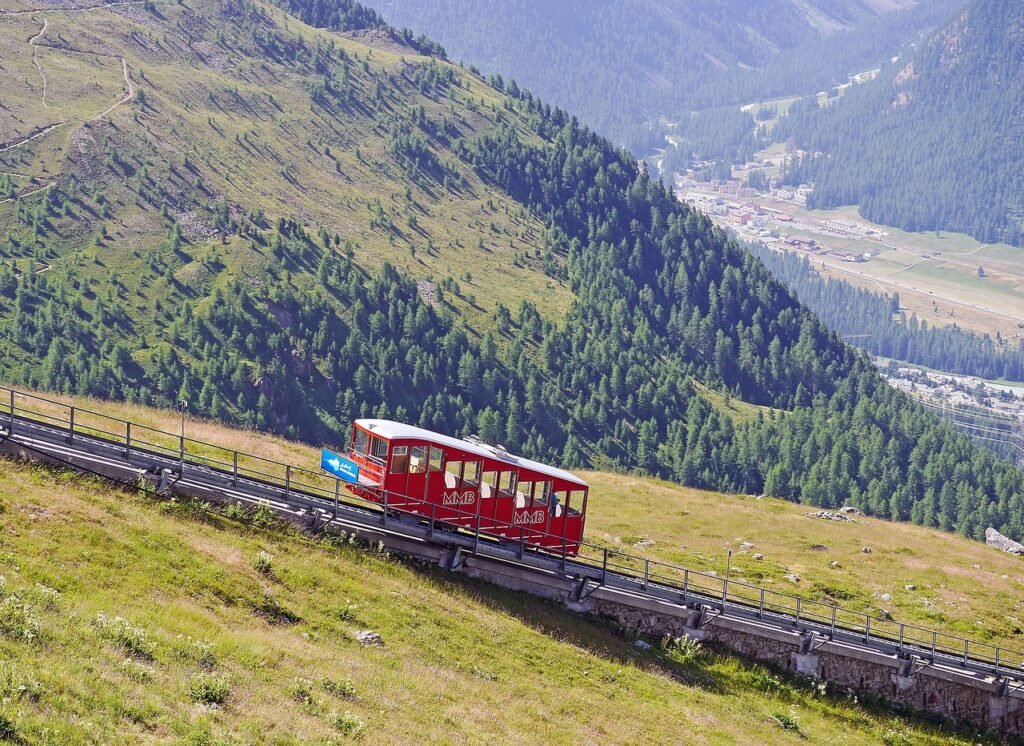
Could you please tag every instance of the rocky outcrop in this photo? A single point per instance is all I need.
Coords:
(995, 539)
(829, 515)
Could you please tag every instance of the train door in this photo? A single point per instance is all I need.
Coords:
(416, 480)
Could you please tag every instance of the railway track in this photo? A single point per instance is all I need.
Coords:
(60, 440)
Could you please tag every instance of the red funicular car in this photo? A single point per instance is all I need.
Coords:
(468, 483)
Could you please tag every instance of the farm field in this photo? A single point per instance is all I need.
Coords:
(936, 276)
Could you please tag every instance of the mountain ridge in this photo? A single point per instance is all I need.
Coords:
(928, 145)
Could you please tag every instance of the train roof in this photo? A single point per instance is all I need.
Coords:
(390, 429)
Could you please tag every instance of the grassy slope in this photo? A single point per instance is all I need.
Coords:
(461, 661)
(224, 120)
(963, 587)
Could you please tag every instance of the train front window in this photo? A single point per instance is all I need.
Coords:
(418, 460)
(400, 459)
(436, 459)
(359, 441)
(378, 449)
(577, 501)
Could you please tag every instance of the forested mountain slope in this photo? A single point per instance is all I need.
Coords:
(879, 325)
(618, 65)
(934, 142)
(246, 230)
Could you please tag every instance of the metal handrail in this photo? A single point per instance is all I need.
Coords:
(724, 591)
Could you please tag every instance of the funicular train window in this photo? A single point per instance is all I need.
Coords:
(471, 473)
(576, 501)
(418, 460)
(489, 484)
(359, 442)
(558, 503)
(399, 459)
(436, 458)
(524, 493)
(507, 483)
(452, 474)
(378, 448)
(541, 493)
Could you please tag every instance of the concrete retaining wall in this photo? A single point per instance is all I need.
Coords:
(932, 690)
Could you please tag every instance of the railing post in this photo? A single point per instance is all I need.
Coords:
(901, 638)
(686, 583)
(234, 470)
(798, 599)
(967, 648)
(337, 489)
(647, 572)
(563, 549)
(934, 638)
(12, 411)
(288, 480)
(997, 660)
(71, 429)
(760, 606)
(604, 568)
(522, 541)
(128, 440)
(832, 631)
(867, 627)
(384, 519)
(430, 527)
(476, 535)
(181, 453)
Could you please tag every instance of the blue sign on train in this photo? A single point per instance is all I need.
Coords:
(339, 466)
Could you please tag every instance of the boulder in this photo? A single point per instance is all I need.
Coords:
(642, 645)
(829, 515)
(1005, 544)
(366, 637)
(757, 556)
(865, 550)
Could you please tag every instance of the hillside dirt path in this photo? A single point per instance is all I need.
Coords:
(38, 133)
(4, 13)
(35, 57)
(128, 96)
(37, 190)
(34, 43)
